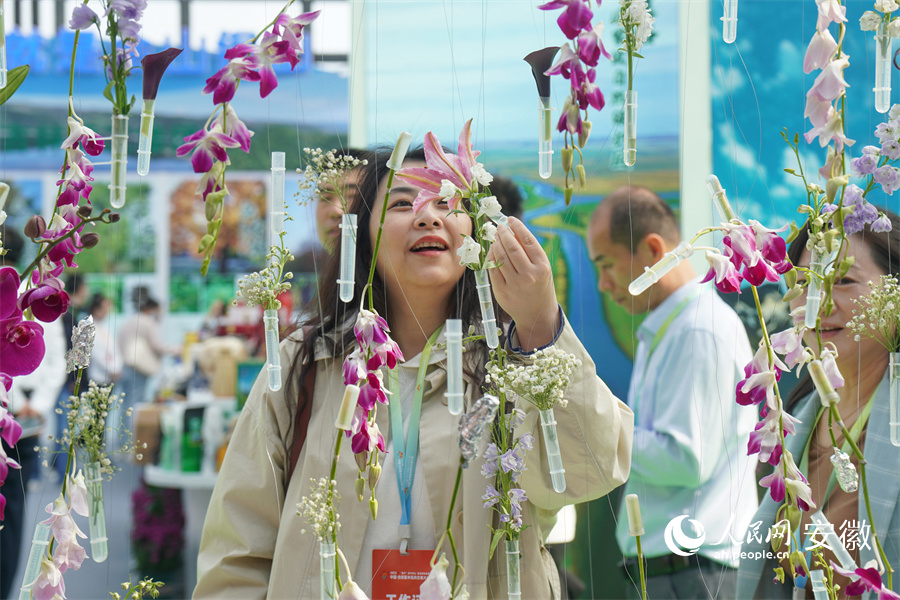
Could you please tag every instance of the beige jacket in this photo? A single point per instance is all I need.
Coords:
(253, 547)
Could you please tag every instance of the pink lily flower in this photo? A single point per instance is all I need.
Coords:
(455, 168)
(575, 18)
(830, 11)
(727, 277)
(759, 380)
(766, 439)
(865, 579)
(233, 127)
(47, 301)
(820, 51)
(207, 145)
(830, 83)
(224, 83)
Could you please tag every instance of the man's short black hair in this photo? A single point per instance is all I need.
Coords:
(634, 212)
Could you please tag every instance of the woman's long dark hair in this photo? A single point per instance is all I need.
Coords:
(885, 249)
(327, 317)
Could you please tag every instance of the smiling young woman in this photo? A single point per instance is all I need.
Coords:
(253, 545)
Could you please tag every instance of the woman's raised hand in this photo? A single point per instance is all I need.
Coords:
(523, 284)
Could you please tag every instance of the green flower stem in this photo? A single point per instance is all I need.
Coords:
(448, 532)
(640, 557)
(70, 458)
(272, 22)
(63, 238)
(834, 414)
(387, 194)
(334, 461)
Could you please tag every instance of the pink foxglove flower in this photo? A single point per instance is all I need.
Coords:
(766, 439)
(436, 586)
(832, 130)
(831, 83)
(830, 11)
(820, 51)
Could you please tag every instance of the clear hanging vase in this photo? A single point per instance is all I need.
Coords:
(327, 560)
(348, 256)
(729, 22)
(118, 161)
(884, 46)
(276, 213)
(145, 140)
(545, 148)
(97, 514)
(554, 458)
(33, 567)
(895, 399)
(630, 127)
(669, 261)
(817, 580)
(273, 358)
(454, 367)
(513, 574)
(483, 286)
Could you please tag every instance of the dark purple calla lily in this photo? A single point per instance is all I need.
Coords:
(154, 67)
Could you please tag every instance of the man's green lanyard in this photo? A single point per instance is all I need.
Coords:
(661, 332)
(407, 453)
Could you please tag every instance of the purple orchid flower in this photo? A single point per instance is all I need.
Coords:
(64, 221)
(207, 145)
(268, 52)
(367, 439)
(789, 343)
(574, 19)
(787, 477)
(155, 66)
(727, 277)
(47, 301)
(21, 345)
(291, 28)
(831, 83)
(233, 127)
(766, 439)
(590, 46)
(224, 83)
(865, 579)
(50, 583)
(759, 380)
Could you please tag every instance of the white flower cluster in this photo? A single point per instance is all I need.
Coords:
(264, 287)
(325, 172)
(871, 20)
(878, 314)
(637, 22)
(87, 416)
(319, 509)
(543, 383)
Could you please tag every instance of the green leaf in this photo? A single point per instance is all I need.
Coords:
(14, 79)
(107, 92)
(496, 540)
(636, 55)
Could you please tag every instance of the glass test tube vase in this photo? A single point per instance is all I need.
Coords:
(630, 149)
(513, 573)
(33, 566)
(97, 512)
(884, 46)
(729, 21)
(483, 286)
(118, 161)
(327, 560)
(454, 367)
(545, 147)
(145, 140)
(273, 358)
(551, 444)
(895, 399)
(348, 256)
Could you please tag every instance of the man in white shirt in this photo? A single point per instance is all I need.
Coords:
(690, 436)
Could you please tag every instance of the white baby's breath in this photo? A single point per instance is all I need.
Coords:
(544, 382)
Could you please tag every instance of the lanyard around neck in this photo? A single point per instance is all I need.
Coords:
(406, 453)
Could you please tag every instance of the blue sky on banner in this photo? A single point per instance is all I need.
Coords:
(432, 65)
(758, 88)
